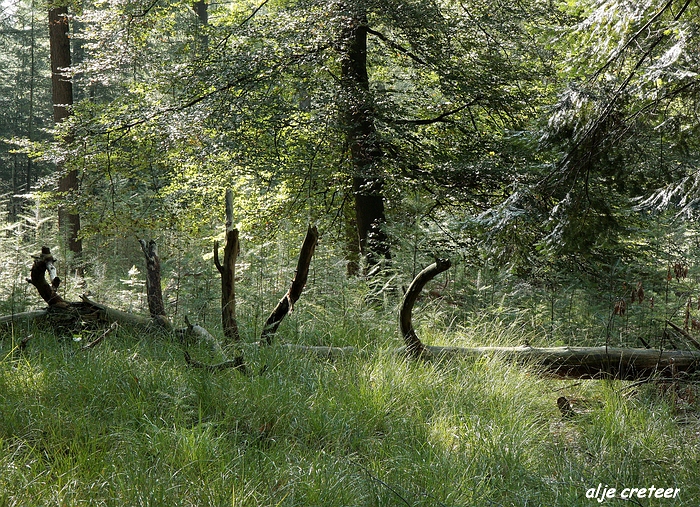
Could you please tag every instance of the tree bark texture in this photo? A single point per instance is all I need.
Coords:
(228, 274)
(154, 290)
(414, 346)
(62, 95)
(59, 41)
(361, 137)
(286, 304)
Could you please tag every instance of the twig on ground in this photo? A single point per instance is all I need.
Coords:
(99, 339)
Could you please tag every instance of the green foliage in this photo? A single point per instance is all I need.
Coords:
(25, 100)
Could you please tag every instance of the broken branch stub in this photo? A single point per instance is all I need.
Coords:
(414, 347)
(286, 304)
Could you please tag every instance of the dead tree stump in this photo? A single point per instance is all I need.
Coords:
(43, 263)
(228, 274)
(154, 291)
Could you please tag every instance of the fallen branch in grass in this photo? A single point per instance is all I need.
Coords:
(24, 317)
(99, 339)
(559, 362)
(589, 362)
(235, 363)
(685, 334)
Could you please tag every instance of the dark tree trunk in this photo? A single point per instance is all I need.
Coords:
(154, 290)
(201, 9)
(361, 136)
(228, 274)
(30, 120)
(62, 93)
(286, 304)
(59, 40)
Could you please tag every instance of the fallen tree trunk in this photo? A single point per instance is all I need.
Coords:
(589, 362)
(73, 316)
(286, 304)
(24, 317)
(559, 362)
(91, 311)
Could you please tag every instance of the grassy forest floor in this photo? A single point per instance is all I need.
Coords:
(128, 423)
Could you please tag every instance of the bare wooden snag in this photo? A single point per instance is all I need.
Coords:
(43, 263)
(414, 347)
(228, 274)
(154, 291)
(286, 304)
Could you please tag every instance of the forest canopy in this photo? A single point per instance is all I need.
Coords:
(547, 139)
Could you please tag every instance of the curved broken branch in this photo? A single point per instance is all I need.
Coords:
(414, 346)
(286, 304)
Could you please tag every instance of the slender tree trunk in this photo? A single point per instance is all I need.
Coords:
(62, 92)
(228, 274)
(201, 9)
(361, 136)
(30, 120)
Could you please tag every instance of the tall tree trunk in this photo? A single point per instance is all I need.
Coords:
(62, 93)
(201, 9)
(30, 120)
(361, 136)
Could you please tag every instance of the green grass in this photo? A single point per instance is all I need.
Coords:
(128, 424)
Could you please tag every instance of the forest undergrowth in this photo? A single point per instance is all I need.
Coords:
(128, 423)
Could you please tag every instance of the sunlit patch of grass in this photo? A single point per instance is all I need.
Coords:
(129, 424)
